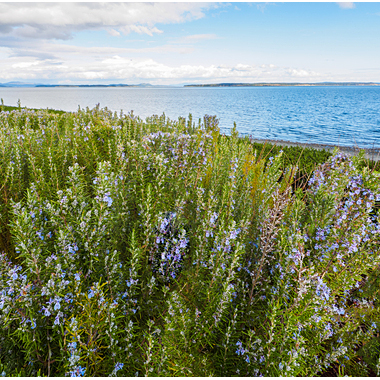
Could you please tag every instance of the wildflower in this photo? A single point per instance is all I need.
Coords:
(78, 372)
(57, 306)
(108, 199)
(56, 321)
(234, 234)
(322, 289)
(214, 217)
(240, 350)
(118, 367)
(46, 311)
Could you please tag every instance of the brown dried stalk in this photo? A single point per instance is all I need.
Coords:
(270, 229)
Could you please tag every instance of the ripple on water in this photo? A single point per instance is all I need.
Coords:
(323, 115)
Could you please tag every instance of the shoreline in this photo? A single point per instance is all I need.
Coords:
(370, 153)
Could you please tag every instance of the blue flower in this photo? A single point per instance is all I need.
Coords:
(107, 199)
(78, 372)
(118, 366)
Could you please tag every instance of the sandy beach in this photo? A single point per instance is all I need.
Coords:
(371, 154)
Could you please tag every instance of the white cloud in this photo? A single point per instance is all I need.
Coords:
(113, 32)
(301, 73)
(347, 5)
(129, 70)
(87, 54)
(197, 38)
(140, 29)
(60, 20)
(24, 65)
(262, 6)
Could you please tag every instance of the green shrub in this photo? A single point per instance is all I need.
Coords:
(163, 248)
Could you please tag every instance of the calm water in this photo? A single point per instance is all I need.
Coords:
(329, 115)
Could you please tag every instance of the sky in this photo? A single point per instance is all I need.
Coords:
(189, 43)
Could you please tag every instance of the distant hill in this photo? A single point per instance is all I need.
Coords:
(21, 84)
(83, 85)
(18, 84)
(148, 85)
(284, 84)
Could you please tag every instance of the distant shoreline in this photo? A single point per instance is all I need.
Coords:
(148, 85)
(284, 84)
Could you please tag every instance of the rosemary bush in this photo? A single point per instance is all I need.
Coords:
(164, 248)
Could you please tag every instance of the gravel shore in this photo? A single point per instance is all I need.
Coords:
(371, 154)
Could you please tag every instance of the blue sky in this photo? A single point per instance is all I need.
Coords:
(181, 43)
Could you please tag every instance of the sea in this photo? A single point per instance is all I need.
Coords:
(336, 115)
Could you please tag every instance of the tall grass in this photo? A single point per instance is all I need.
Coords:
(164, 248)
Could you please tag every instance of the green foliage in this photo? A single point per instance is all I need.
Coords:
(164, 248)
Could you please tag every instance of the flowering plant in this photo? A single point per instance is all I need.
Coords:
(165, 248)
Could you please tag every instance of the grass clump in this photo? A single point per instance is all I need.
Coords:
(165, 248)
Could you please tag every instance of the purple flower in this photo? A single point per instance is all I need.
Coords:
(183, 243)
(46, 311)
(56, 321)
